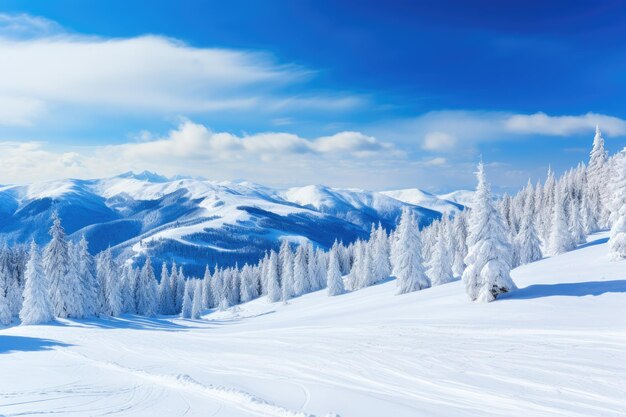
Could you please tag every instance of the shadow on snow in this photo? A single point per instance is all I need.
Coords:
(9, 344)
(571, 289)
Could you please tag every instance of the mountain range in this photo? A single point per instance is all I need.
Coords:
(197, 222)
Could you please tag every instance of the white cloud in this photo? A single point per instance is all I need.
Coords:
(461, 130)
(194, 149)
(439, 141)
(542, 124)
(22, 26)
(142, 74)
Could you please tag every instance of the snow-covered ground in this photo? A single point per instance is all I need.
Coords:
(556, 347)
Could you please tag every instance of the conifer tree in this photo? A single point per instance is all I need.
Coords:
(560, 237)
(36, 308)
(5, 312)
(187, 299)
(334, 279)
(56, 263)
(273, 287)
(487, 274)
(300, 272)
(440, 265)
(617, 240)
(207, 290)
(147, 291)
(286, 259)
(408, 265)
(166, 297)
(196, 305)
(527, 240)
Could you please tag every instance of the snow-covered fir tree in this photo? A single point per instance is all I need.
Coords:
(108, 275)
(207, 291)
(83, 262)
(286, 271)
(561, 239)
(147, 291)
(380, 252)
(334, 280)
(300, 269)
(196, 305)
(408, 265)
(65, 300)
(274, 293)
(617, 240)
(36, 308)
(5, 312)
(527, 240)
(188, 299)
(166, 296)
(487, 274)
(440, 264)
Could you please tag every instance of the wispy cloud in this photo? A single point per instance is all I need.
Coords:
(460, 130)
(43, 67)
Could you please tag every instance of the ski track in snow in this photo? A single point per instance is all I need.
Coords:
(558, 351)
(185, 382)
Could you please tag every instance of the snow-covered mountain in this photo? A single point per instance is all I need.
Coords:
(197, 221)
(425, 199)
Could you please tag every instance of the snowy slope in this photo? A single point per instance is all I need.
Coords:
(556, 347)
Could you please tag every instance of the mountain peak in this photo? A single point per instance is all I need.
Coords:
(144, 176)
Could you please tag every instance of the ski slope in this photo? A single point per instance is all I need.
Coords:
(556, 347)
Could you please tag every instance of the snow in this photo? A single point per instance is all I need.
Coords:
(425, 199)
(555, 347)
(463, 197)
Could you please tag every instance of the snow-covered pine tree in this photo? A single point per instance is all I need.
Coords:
(85, 268)
(286, 260)
(64, 298)
(128, 295)
(408, 266)
(196, 305)
(109, 278)
(300, 272)
(180, 288)
(357, 272)
(459, 242)
(274, 293)
(188, 299)
(207, 291)
(487, 274)
(527, 240)
(597, 174)
(147, 291)
(166, 297)
(9, 285)
(334, 280)
(5, 311)
(560, 236)
(248, 285)
(549, 191)
(440, 265)
(575, 222)
(380, 252)
(617, 240)
(590, 223)
(36, 308)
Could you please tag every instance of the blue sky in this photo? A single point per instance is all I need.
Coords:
(366, 94)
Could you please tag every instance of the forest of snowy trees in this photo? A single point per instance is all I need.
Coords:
(480, 245)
